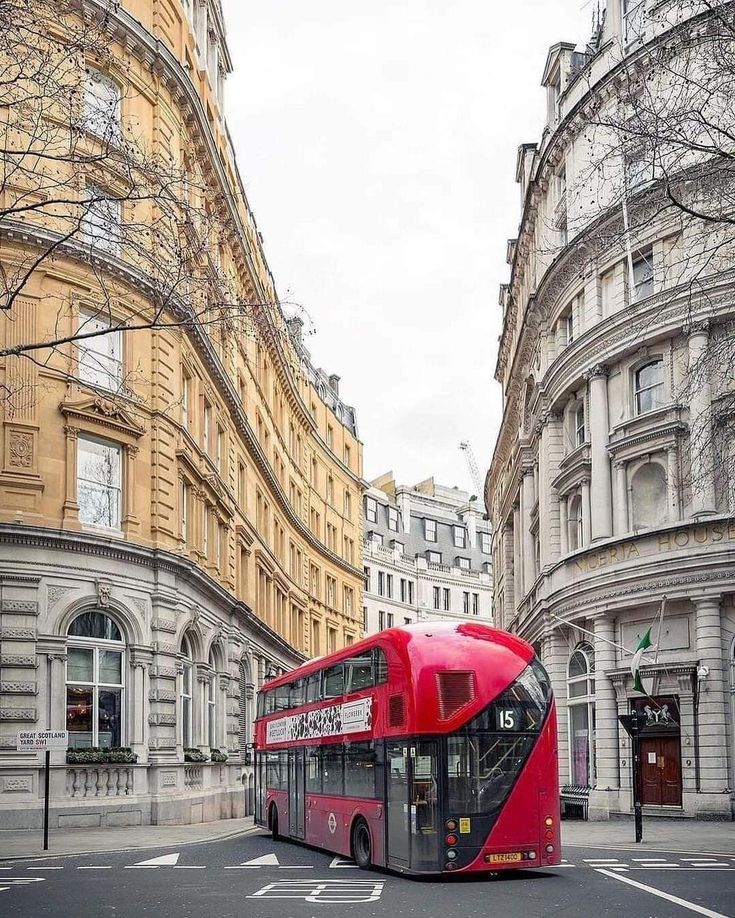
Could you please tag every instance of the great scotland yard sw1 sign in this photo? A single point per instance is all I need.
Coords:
(40, 740)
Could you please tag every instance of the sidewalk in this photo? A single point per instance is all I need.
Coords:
(29, 842)
(682, 835)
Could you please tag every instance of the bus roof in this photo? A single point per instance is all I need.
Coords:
(424, 642)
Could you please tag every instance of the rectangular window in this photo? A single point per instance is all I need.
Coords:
(393, 519)
(99, 481)
(463, 563)
(445, 597)
(184, 501)
(220, 449)
(100, 357)
(410, 592)
(207, 427)
(330, 436)
(366, 572)
(435, 557)
(389, 586)
(404, 589)
(381, 583)
(363, 775)
(390, 619)
(430, 530)
(101, 105)
(102, 220)
(642, 276)
(466, 603)
(437, 598)
(347, 508)
(331, 590)
(185, 400)
(475, 603)
(485, 543)
(241, 485)
(381, 620)
(459, 537)
(634, 22)
(371, 510)
(347, 456)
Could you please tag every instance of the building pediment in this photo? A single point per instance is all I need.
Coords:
(102, 412)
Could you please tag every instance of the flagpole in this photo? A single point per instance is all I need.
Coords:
(591, 634)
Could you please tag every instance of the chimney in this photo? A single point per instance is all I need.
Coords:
(334, 384)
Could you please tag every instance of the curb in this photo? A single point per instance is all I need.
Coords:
(182, 844)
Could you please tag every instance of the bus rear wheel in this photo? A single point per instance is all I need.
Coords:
(361, 845)
(274, 823)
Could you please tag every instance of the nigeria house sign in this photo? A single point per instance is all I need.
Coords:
(334, 720)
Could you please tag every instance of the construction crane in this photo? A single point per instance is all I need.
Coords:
(469, 455)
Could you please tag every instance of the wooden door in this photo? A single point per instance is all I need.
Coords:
(661, 770)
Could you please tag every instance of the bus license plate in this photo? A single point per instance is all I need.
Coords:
(511, 858)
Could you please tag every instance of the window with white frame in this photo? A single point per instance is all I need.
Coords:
(648, 387)
(393, 519)
(579, 428)
(371, 510)
(99, 482)
(101, 105)
(437, 597)
(575, 523)
(581, 715)
(102, 220)
(446, 605)
(463, 564)
(642, 276)
(459, 537)
(100, 356)
(434, 557)
(485, 543)
(430, 530)
(466, 603)
(94, 681)
(187, 693)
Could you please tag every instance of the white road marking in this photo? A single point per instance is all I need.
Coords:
(36, 868)
(342, 862)
(296, 867)
(166, 860)
(95, 868)
(692, 906)
(334, 892)
(267, 860)
(20, 881)
(649, 860)
(189, 867)
(598, 860)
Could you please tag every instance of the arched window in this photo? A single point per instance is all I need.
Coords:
(187, 684)
(212, 702)
(648, 496)
(581, 705)
(649, 386)
(94, 681)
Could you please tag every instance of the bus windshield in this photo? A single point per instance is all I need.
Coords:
(485, 758)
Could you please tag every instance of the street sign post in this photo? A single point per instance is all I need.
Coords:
(633, 724)
(43, 741)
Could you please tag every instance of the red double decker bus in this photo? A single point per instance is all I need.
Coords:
(424, 749)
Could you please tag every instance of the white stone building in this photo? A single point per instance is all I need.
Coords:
(610, 489)
(426, 555)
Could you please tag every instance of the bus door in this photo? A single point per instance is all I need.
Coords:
(424, 805)
(296, 760)
(396, 802)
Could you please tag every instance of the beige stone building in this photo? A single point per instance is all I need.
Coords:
(611, 489)
(180, 506)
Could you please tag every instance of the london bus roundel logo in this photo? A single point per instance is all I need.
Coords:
(332, 823)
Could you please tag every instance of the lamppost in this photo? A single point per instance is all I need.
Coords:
(633, 724)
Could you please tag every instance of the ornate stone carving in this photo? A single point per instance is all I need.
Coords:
(27, 714)
(20, 449)
(164, 624)
(24, 606)
(19, 660)
(54, 594)
(104, 591)
(18, 688)
(17, 634)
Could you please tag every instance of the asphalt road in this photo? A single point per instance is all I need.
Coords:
(290, 881)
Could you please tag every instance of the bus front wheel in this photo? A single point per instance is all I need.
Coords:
(274, 823)
(361, 846)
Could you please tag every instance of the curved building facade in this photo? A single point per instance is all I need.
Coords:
(611, 489)
(180, 489)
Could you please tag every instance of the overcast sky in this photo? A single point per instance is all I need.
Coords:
(377, 143)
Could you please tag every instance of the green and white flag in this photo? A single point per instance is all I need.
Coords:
(635, 665)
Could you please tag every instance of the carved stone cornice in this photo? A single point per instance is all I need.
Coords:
(102, 412)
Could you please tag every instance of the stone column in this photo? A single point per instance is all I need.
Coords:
(555, 657)
(700, 423)
(586, 514)
(550, 455)
(130, 520)
(621, 498)
(711, 708)
(599, 427)
(528, 550)
(672, 483)
(517, 566)
(686, 724)
(564, 524)
(606, 718)
(508, 568)
(71, 506)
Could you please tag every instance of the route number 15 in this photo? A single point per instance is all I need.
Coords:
(507, 720)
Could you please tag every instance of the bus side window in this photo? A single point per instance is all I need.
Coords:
(270, 702)
(358, 673)
(313, 688)
(281, 694)
(261, 704)
(334, 681)
(296, 698)
(381, 666)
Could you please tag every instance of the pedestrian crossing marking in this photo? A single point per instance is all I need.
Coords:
(339, 862)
